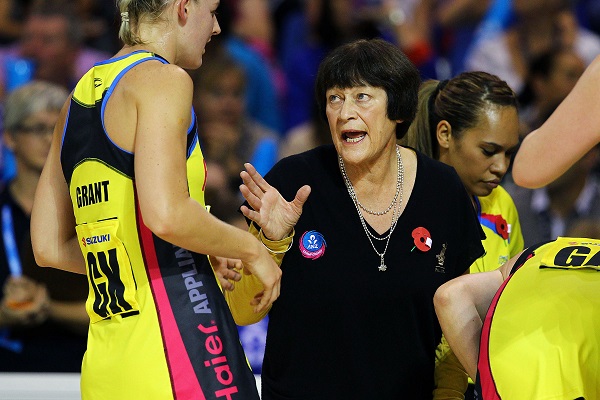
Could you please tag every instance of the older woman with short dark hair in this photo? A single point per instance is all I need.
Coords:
(383, 227)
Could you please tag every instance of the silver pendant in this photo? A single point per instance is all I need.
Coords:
(382, 266)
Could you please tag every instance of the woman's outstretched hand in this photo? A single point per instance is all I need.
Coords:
(276, 216)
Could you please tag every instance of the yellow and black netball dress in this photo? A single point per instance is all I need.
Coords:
(160, 327)
(541, 335)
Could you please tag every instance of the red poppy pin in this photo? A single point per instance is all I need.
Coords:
(502, 227)
(422, 239)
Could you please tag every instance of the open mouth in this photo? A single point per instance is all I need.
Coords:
(353, 137)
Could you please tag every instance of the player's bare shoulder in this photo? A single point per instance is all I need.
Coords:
(156, 80)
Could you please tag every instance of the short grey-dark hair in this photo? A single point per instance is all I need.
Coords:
(376, 63)
(31, 98)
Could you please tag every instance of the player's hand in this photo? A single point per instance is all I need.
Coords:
(227, 271)
(269, 274)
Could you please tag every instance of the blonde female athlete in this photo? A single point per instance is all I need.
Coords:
(123, 185)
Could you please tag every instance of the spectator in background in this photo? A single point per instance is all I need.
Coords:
(52, 39)
(95, 17)
(228, 133)
(98, 17)
(550, 211)
(458, 21)
(410, 24)
(551, 76)
(264, 92)
(253, 22)
(43, 322)
(306, 136)
(51, 49)
(588, 12)
(566, 136)
(327, 24)
(288, 16)
(539, 26)
(12, 15)
(464, 23)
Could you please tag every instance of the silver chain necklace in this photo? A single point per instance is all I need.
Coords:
(393, 203)
(396, 205)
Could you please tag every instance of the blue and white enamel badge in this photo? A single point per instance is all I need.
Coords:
(312, 245)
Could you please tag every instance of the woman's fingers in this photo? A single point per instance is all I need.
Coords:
(301, 197)
(267, 298)
(253, 200)
(256, 300)
(232, 275)
(249, 183)
(256, 177)
(271, 281)
(250, 214)
(227, 271)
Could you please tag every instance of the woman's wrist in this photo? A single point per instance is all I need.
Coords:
(280, 237)
(280, 246)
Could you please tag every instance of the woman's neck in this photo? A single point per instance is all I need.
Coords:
(376, 185)
(155, 39)
(372, 177)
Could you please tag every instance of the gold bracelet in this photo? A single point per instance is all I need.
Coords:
(261, 235)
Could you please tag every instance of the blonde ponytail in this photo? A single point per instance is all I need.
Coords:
(132, 12)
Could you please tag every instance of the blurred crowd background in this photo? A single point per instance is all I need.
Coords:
(254, 101)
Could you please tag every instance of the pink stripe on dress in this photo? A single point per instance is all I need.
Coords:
(183, 378)
(486, 377)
